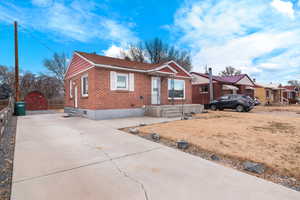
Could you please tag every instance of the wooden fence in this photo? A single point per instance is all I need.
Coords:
(55, 104)
(3, 104)
(6, 114)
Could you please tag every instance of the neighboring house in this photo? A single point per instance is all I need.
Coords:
(292, 93)
(269, 93)
(238, 84)
(101, 87)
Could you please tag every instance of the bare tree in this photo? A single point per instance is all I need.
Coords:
(27, 84)
(57, 65)
(230, 71)
(156, 51)
(181, 57)
(7, 76)
(295, 83)
(135, 53)
(50, 86)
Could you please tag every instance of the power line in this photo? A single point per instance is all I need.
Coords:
(29, 32)
(37, 39)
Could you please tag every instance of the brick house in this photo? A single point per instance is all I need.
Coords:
(100, 87)
(238, 84)
(291, 93)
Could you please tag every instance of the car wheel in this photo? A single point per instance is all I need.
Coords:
(240, 108)
(213, 107)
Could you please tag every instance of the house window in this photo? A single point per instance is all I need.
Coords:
(122, 81)
(84, 85)
(71, 88)
(176, 89)
(268, 94)
(203, 89)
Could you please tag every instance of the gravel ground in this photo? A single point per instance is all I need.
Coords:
(228, 161)
(7, 144)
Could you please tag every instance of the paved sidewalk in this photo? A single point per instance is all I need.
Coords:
(75, 158)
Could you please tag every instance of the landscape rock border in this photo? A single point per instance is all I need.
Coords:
(232, 162)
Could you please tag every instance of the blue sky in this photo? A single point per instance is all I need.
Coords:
(262, 38)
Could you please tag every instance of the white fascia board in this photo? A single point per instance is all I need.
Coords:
(163, 66)
(172, 61)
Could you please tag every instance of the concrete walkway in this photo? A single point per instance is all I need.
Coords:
(80, 159)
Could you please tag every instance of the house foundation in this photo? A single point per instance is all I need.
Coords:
(166, 111)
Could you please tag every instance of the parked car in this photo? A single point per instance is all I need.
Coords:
(240, 103)
(256, 101)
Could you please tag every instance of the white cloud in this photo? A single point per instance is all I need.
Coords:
(284, 7)
(113, 51)
(246, 34)
(75, 20)
(42, 3)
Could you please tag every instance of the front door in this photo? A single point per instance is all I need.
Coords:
(76, 97)
(155, 90)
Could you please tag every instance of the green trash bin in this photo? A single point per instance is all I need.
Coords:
(20, 109)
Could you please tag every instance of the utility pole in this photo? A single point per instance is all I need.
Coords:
(211, 87)
(17, 95)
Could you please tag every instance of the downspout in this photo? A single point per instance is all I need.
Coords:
(211, 89)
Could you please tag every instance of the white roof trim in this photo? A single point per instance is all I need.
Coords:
(249, 88)
(85, 58)
(183, 77)
(128, 69)
(229, 87)
(159, 72)
(69, 77)
(179, 67)
(163, 66)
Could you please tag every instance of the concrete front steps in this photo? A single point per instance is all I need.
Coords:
(169, 111)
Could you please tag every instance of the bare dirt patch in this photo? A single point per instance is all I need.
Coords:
(287, 108)
(273, 140)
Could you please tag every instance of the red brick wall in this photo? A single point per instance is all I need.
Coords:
(243, 90)
(101, 97)
(203, 98)
(77, 64)
(83, 102)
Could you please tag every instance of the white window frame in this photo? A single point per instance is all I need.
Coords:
(177, 98)
(127, 81)
(87, 86)
(71, 88)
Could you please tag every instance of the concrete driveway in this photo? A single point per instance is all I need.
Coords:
(75, 158)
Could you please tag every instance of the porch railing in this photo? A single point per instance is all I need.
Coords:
(6, 114)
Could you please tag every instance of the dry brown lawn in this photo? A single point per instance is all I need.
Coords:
(289, 108)
(270, 139)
